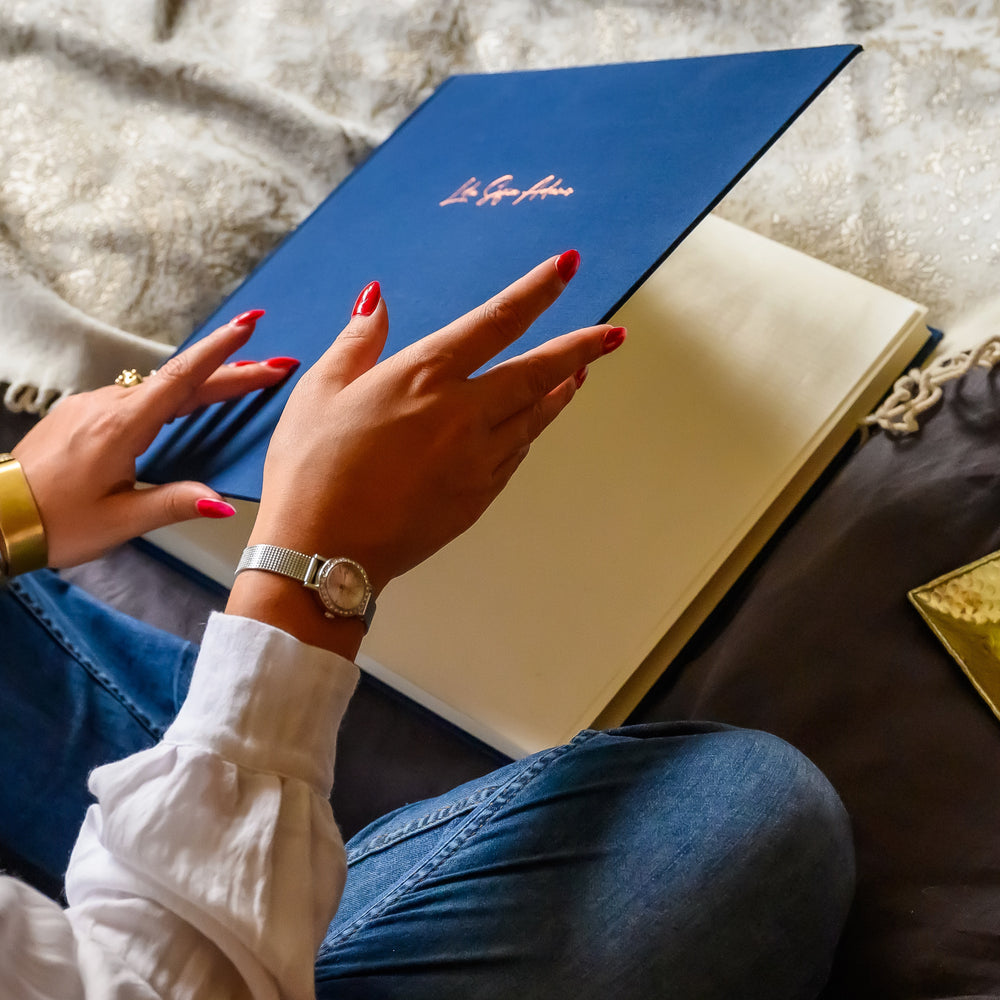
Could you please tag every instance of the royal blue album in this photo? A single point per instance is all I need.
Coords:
(493, 173)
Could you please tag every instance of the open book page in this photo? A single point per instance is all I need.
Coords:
(746, 367)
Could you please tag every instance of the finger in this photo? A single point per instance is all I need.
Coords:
(519, 383)
(359, 344)
(237, 379)
(473, 339)
(517, 432)
(161, 398)
(507, 468)
(140, 510)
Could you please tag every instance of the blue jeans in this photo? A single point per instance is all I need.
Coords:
(682, 860)
(80, 685)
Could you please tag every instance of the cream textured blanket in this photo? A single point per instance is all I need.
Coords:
(153, 151)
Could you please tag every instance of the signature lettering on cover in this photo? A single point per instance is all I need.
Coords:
(497, 190)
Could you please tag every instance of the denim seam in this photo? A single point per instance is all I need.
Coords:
(40, 615)
(383, 840)
(477, 820)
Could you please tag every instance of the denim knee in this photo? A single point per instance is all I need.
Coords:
(800, 820)
(675, 860)
(777, 858)
(761, 779)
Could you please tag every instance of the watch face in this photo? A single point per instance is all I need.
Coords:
(342, 587)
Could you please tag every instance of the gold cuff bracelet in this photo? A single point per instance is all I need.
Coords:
(22, 537)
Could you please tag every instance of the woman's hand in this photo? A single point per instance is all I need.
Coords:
(80, 460)
(386, 463)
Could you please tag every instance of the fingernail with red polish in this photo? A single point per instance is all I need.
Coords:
(241, 364)
(286, 364)
(581, 377)
(567, 263)
(248, 318)
(614, 339)
(210, 507)
(368, 300)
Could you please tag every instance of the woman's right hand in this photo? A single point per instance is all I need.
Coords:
(386, 462)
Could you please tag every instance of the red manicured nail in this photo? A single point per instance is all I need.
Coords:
(248, 318)
(567, 263)
(240, 364)
(614, 339)
(210, 507)
(285, 363)
(581, 377)
(368, 300)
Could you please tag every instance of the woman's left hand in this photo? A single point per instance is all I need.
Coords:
(80, 460)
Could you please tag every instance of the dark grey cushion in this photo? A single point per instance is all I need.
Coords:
(821, 646)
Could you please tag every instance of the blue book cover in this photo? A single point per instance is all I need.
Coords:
(493, 173)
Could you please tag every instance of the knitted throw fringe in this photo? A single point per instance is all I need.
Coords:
(920, 389)
(23, 397)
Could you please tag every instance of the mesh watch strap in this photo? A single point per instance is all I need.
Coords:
(275, 559)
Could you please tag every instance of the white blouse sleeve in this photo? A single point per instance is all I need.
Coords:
(211, 865)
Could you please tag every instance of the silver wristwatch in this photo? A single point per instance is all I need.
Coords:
(341, 584)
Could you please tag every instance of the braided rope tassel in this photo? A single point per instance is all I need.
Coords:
(918, 390)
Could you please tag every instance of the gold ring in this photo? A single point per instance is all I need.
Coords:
(128, 377)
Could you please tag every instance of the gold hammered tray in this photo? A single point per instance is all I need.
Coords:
(963, 610)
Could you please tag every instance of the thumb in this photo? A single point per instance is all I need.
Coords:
(143, 510)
